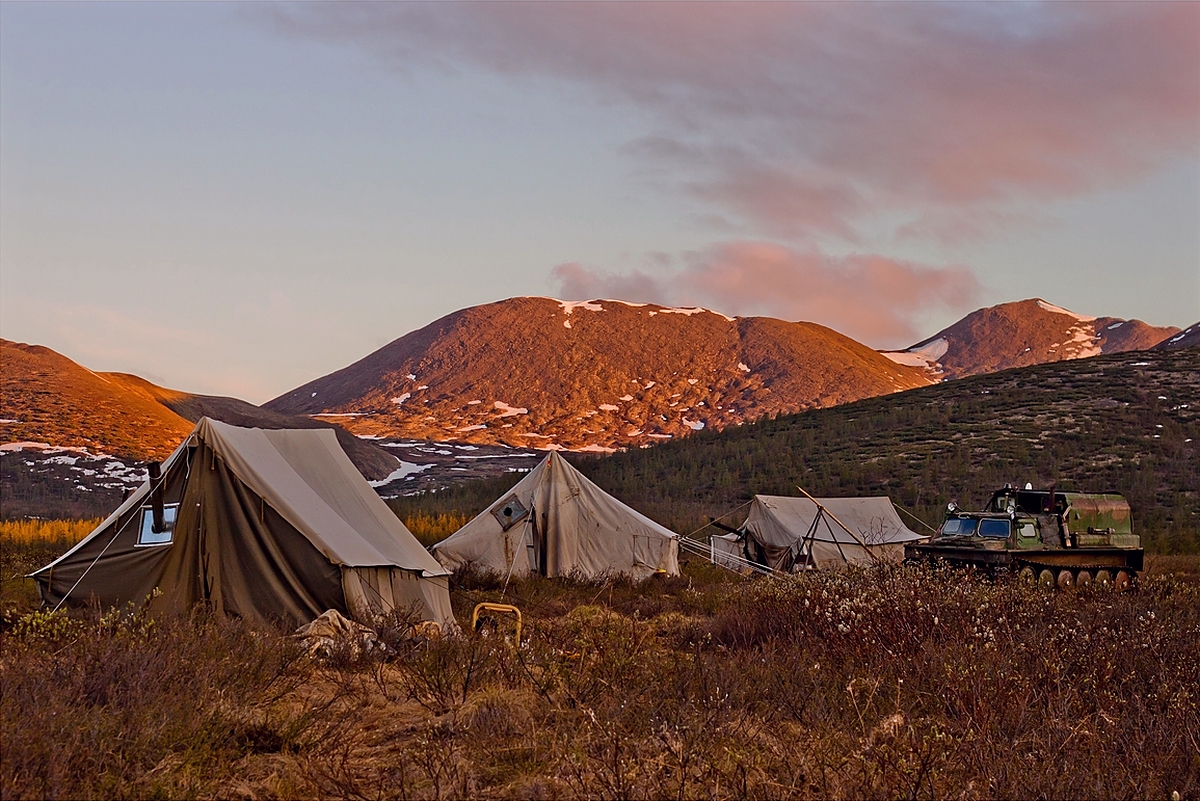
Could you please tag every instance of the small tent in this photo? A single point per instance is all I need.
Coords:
(264, 524)
(556, 522)
(785, 533)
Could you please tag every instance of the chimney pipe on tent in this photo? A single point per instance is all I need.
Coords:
(156, 498)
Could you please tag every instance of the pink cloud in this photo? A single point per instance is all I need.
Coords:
(871, 298)
(576, 281)
(802, 119)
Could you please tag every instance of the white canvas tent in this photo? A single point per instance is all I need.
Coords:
(556, 522)
(785, 533)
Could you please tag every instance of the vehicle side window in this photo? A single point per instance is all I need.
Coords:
(994, 528)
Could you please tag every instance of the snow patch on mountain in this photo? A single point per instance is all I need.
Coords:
(926, 354)
(1050, 307)
(569, 306)
(509, 411)
(406, 470)
(695, 310)
(905, 357)
(595, 449)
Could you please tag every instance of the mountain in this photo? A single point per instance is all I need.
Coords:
(45, 397)
(1124, 422)
(1024, 333)
(74, 439)
(1187, 338)
(371, 460)
(595, 375)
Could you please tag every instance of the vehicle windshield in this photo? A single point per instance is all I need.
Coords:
(994, 528)
(958, 527)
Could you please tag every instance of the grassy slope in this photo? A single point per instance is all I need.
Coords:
(1091, 424)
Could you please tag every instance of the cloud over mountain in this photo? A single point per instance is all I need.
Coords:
(798, 120)
(871, 298)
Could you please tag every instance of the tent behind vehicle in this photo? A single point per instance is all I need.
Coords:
(785, 533)
(263, 524)
(556, 522)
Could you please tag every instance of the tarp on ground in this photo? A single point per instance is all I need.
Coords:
(555, 522)
(784, 533)
(266, 524)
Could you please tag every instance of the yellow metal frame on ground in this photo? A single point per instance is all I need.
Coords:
(503, 608)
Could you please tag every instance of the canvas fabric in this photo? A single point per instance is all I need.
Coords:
(777, 526)
(729, 551)
(372, 591)
(572, 527)
(267, 523)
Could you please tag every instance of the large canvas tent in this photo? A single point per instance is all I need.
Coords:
(263, 524)
(556, 522)
(785, 533)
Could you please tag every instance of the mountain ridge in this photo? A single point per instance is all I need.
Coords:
(597, 374)
(1024, 333)
(539, 372)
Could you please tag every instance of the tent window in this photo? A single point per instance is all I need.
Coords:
(510, 512)
(147, 535)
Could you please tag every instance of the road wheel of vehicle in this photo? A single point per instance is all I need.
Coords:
(1027, 576)
(1083, 579)
(1046, 579)
(1066, 580)
(1122, 581)
(1104, 579)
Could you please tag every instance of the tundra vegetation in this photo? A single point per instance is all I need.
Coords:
(886, 682)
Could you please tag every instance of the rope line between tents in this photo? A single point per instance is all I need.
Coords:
(700, 549)
(914, 517)
(709, 523)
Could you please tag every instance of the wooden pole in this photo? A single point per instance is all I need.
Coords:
(845, 528)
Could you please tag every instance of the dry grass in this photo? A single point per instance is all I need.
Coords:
(51, 532)
(432, 527)
(883, 683)
(1183, 567)
(25, 546)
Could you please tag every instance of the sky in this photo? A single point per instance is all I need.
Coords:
(236, 198)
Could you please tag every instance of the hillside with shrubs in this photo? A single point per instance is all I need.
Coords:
(1127, 422)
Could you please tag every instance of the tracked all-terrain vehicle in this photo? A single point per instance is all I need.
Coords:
(1052, 538)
